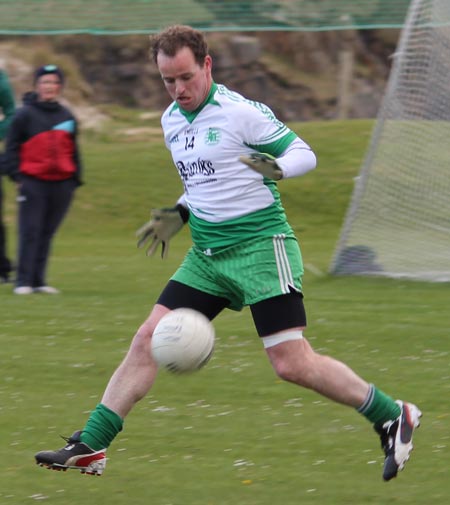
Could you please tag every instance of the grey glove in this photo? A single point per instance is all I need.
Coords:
(264, 164)
(163, 225)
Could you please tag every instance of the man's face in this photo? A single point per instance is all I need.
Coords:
(186, 82)
(48, 87)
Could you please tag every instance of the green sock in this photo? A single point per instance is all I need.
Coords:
(101, 428)
(379, 407)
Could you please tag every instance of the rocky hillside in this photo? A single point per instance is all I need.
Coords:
(302, 76)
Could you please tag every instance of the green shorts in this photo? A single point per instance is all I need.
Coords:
(246, 273)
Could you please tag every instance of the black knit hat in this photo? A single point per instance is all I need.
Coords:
(49, 69)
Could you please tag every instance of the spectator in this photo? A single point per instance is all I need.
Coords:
(7, 106)
(42, 157)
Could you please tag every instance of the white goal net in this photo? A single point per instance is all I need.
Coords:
(398, 222)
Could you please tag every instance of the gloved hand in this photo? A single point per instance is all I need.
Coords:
(163, 225)
(264, 164)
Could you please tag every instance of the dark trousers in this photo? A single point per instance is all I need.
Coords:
(42, 207)
(5, 264)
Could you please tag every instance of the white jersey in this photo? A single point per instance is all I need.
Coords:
(221, 192)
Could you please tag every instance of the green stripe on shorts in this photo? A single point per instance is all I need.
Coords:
(246, 273)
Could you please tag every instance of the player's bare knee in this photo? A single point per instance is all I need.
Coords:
(285, 354)
(284, 370)
(141, 340)
(298, 372)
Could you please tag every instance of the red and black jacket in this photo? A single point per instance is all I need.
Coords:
(42, 142)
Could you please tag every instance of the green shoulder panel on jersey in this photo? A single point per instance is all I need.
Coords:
(277, 147)
(280, 137)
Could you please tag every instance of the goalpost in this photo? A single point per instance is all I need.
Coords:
(398, 221)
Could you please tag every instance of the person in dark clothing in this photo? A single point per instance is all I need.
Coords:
(42, 156)
(7, 107)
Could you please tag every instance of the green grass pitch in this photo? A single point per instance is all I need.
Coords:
(232, 433)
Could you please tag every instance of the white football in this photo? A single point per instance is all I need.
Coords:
(183, 341)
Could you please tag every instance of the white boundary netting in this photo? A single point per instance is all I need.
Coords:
(398, 222)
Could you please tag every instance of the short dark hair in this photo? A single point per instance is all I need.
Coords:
(174, 38)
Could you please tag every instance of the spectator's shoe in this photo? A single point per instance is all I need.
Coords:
(48, 290)
(23, 290)
(396, 439)
(75, 455)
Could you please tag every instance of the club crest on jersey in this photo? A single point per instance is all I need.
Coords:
(212, 136)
